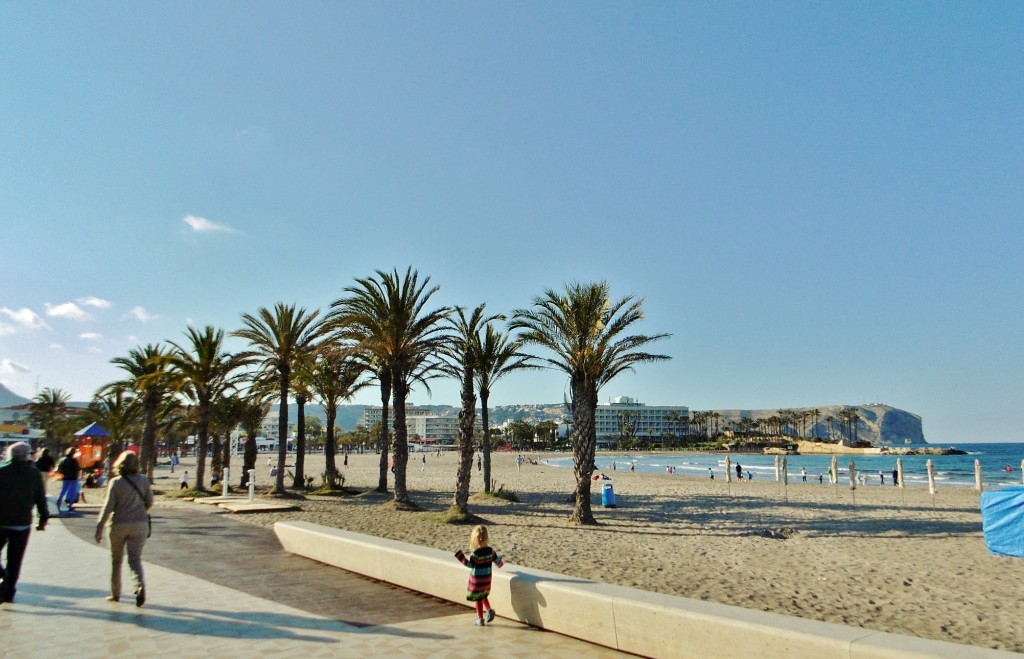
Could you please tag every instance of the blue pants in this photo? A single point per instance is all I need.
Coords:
(68, 494)
(16, 542)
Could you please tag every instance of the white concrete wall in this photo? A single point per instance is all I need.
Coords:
(627, 619)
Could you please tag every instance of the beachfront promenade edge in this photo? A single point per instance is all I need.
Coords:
(626, 619)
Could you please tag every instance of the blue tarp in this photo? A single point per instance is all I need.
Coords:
(1002, 514)
(92, 430)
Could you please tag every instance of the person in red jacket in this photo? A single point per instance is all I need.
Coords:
(479, 562)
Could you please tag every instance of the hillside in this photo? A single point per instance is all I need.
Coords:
(9, 399)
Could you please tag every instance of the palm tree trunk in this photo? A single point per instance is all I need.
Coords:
(400, 449)
(202, 441)
(584, 405)
(385, 400)
(282, 434)
(467, 416)
(248, 458)
(148, 457)
(300, 444)
(215, 449)
(225, 460)
(486, 440)
(330, 447)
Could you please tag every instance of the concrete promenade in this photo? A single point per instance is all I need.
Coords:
(217, 587)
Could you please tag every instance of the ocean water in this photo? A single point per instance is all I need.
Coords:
(950, 470)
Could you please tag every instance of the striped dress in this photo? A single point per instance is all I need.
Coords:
(479, 564)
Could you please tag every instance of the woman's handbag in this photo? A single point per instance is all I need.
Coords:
(149, 519)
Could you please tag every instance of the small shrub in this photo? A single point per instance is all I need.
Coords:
(508, 495)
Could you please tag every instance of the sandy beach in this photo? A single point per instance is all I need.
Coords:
(880, 557)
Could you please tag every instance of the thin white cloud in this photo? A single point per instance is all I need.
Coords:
(11, 366)
(6, 330)
(56, 346)
(141, 314)
(203, 225)
(25, 318)
(67, 310)
(93, 301)
(90, 336)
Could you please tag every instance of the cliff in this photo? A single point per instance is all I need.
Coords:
(878, 423)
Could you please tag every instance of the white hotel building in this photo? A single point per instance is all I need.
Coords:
(656, 421)
(424, 425)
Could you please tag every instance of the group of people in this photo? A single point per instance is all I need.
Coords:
(129, 497)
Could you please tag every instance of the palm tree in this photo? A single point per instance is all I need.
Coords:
(49, 411)
(584, 329)
(497, 355)
(335, 377)
(119, 412)
(461, 356)
(301, 384)
(202, 372)
(276, 339)
(149, 378)
(386, 315)
(253, 409)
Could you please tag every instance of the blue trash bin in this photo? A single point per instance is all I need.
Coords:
(608, 496)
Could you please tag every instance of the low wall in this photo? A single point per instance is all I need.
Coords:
(627, 619)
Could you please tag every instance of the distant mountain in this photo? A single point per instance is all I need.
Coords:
(9, 399)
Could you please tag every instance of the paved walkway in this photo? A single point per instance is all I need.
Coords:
(217, 587)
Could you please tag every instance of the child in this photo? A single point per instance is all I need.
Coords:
(184, 480)
(479, 562)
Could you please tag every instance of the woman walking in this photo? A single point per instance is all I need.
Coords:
(129, 497)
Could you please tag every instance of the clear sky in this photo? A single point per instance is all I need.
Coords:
(821, 202)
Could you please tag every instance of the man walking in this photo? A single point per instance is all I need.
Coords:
(21, 488)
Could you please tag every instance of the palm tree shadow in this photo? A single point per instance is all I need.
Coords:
(54, 601)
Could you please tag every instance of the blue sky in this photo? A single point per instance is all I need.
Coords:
(820, 202)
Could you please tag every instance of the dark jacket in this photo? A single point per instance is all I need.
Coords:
(21, 487)
(69, 468)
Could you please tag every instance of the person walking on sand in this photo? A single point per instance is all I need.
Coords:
(479, 562)
(21, 488)
(69, 470)
(423, 463)
(895, 476)
(129, 498)
(739, 472)
(803, 474)
(711, 473)
(184, 481)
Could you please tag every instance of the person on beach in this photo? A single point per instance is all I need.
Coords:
(22, 487)
(69, 470)
(739, 471)
(711, 473)
(479, 463)
(423, 462)
(129, 498)
(803, 474)
(479, 562)
(184, 481)
(519, 463)
(895, 476)
(881, 477)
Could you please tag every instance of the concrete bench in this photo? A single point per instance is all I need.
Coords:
(626, 619)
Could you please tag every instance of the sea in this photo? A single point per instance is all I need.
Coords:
(1001, 465)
